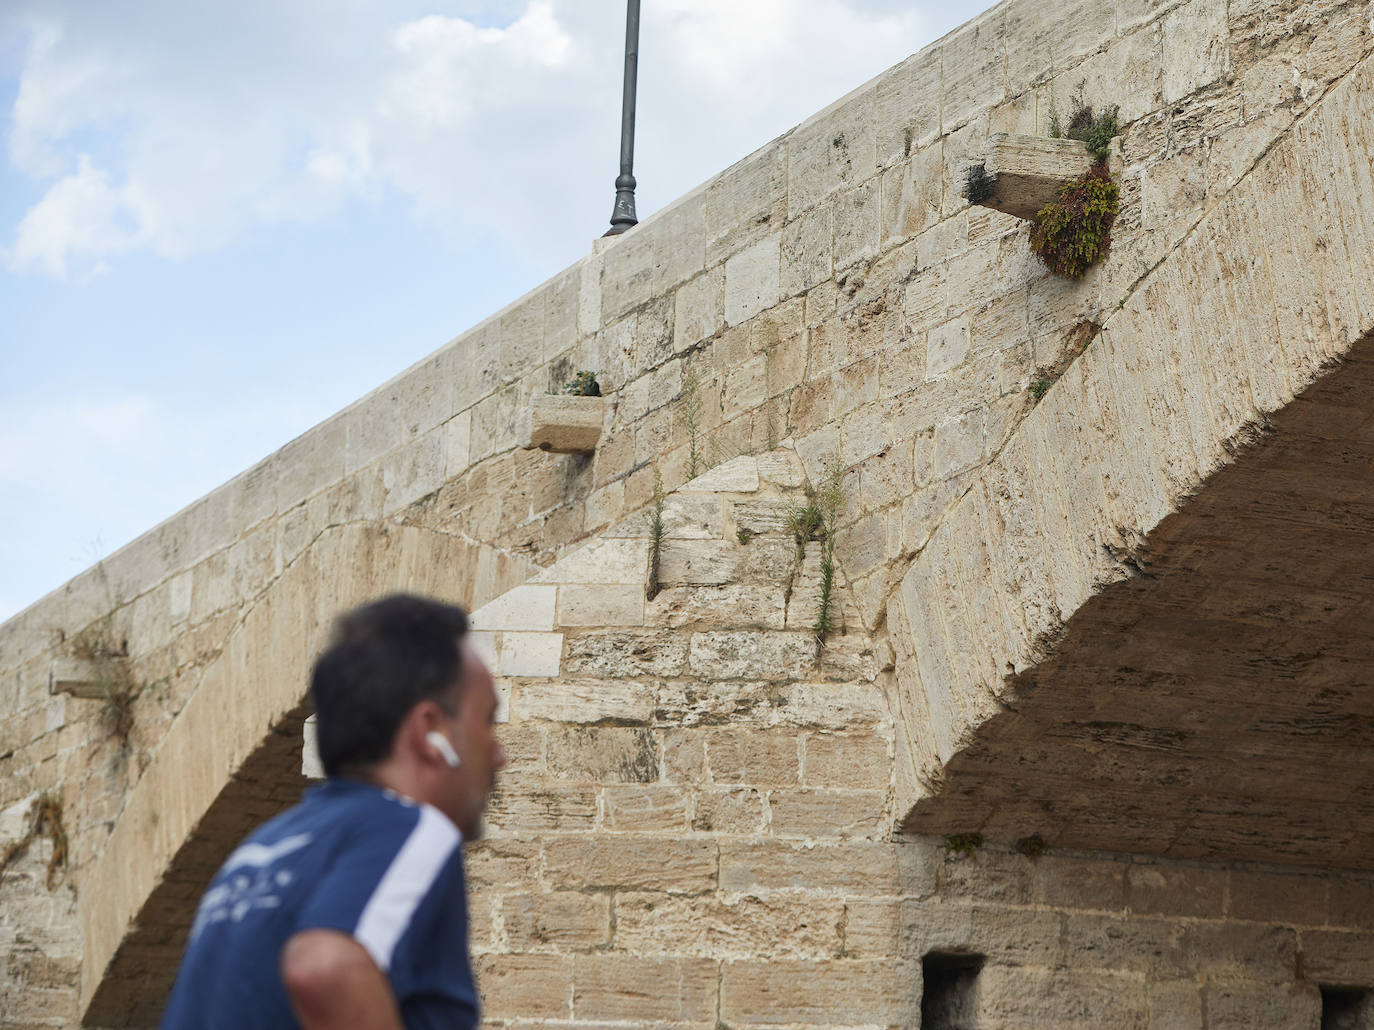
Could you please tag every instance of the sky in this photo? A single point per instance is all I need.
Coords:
(216, 231)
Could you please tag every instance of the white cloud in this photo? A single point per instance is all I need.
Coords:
(158, 127)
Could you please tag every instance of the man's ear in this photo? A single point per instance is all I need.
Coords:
(419, 722)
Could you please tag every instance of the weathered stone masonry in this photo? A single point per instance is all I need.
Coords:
(710, 841)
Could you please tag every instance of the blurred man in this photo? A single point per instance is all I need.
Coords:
(350, 910)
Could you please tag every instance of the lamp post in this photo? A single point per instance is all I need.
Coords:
(623, 214)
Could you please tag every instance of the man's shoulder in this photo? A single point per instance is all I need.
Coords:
(338, 809)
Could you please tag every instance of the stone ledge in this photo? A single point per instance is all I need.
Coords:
(563, 424)
(1021, 174)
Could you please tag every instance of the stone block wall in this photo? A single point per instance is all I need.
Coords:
(833, 289)
(694, 831)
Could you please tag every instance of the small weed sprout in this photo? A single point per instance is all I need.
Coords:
(45, 820)
(1033, 846)
(691, 420)
(1040, 386)
(655, 536)
(583, 384)
(965, 844)
(744, 535)
(830, 500)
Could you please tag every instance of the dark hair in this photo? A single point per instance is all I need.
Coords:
(383, 659)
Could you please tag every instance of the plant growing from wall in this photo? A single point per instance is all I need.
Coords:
(583, 384)
(690, 409)
(965, 844)
(114, 677)
(1094, 131)
(45, 820)
(817, 520)
(655, 537)
(830, 501)
(1075, 231)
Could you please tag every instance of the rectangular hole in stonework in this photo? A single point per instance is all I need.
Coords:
(1347, 1008)
(949, 993)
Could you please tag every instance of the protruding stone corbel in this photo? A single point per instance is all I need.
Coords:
(563, 423)
(1021, 174)
(79, 677)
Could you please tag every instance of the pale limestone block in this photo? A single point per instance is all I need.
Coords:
(856, 222)
(528, 607)
(311, 766)
(1195, 50)
(974, 69)
(14, 819)
(781, 468)
(746, 201)
(807, 244)
(736, 476)
(476, 359)
(653, 334)
(413, 471)
(832, 706)
(563, 424)
(495, 423)
(763, 516)
(602, 561)
(560, 313)
(1070, 577)
(179, 597)
(731, 605)
(627, 653)
(925, 303)
(752, 655)
(612, 355)
(835, 148)
(821, 814)
(946, 347)
(1022, 113)
(866, 432)
(907, 107)
(699, 309)
(601, 605)
(589, 295)
(628, 275)
(744, 386)
(751, 280)
(605, 505)
(912, 195)
(584, 701)
(457, 444)
(690, 517)
(1129, 73)
(531, 654)
(679, 241)
(973, 276)
(488, 648)
(699, 562)
(1053, 35)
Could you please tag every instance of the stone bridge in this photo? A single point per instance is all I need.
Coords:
(1089, 744)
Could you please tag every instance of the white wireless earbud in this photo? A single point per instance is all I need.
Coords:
(444, 748)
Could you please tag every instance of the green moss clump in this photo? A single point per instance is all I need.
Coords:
(1075, 232)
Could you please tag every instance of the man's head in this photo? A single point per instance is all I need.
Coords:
(397, 673)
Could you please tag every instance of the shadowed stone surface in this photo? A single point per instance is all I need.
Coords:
(1218, 703)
